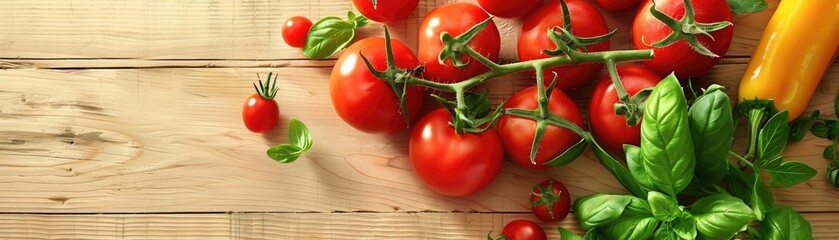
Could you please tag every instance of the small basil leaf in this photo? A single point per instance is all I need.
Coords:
(331, 34)
(298, 135)
(665, 232)
(820, 129)
(600, 209)
(829, 152)
(712, 130)
(684, 226)
(284, 153)
(798, 129)
(664, 208)
(666, 144)
(721, 216)
(790, 173)
(772, 138)
(630, 228)
(634, 163)
(785, 223)
(564, 234)
(747, 6)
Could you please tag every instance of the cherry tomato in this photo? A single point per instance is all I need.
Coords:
(517, 133)
(453, 164)
(586, 21)
(524, 230)
(617, 5)
(261, 112)
(608, 128)
(295, 30)
(550, 200)
(503, 9)
(680, 57)
(456, 18)
(364, 101)
(386, 11)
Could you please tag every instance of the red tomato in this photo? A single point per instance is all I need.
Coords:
(295, 30)
(386, 10)
(453, 164)
(586, 21)
(523, 230)
(503, 9)
(680, 57)
(552, 204)
(364, 101)
(456, 18)
(261, 112)
(617, 5)
(608, 128)
(517, 133)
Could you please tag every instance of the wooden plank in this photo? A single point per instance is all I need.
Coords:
(217, 29)
(297, 226)
(171, 140)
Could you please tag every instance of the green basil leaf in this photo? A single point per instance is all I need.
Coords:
(833, 132)
(619, 171)
(285, 153)
(820, 129)
(684, 226)
(829, 152)
(712, 130)
(298, 135)
(666, 144)
(634, 163)
(594, 234)
(798, 129)
(721, 216)
(331, 34)
(601, 209)
(747, 6)
(790, 173)
(785, 223)
(755, 193)
(772, 139)
(664, 208)
(630, 228)
(665, 232)
(564, 234)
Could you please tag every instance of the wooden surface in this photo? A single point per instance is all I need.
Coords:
(121, 119)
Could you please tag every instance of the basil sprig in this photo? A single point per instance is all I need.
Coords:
(300, 141)
(331, 34)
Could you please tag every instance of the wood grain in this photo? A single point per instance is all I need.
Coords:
(171, 140)
(295, 226)
(238, 29)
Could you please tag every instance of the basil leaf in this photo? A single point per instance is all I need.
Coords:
(664, 208)
(564, 234)
(601, 209)
(820, 129)
(633, 162)
(829, 152)
(665, 232)
(785, 223)
(747, 6)
(798, 129)
(298, 134)
(666, 144)
(684, 226)
(755, 193)
(331, 34)
(772, 139)
(721, 216)
(712, 130)
(630, 228)
(284, 153)
(790, 173)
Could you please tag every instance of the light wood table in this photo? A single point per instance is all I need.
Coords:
(121, 120)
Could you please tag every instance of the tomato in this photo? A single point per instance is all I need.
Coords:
(295, 30)
(617, 5)
(501, 8)
(586, 21)
(386, 11)
(517, 133)
(364, 101)
(523, 230)
(608, 128)
(680, 57)
(261, 112)
(456, 18)
(453, 164)
(551, 199)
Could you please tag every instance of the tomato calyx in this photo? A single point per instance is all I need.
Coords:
(497, 237)
(454, 48)
(473, 115)
(269, 89)
(567, 43)
(546, 196)
(686, 29)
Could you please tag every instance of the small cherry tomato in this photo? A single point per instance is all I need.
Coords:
(295, 30)
(523, 230)
(450, 163)
(517, 133)
(550, 201)
(386, 11)
(503, 9)
(261, 112)
(608, 128)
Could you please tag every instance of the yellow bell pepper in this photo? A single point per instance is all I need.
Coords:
(798, 45)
